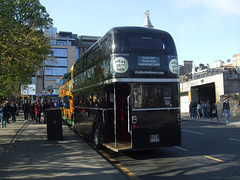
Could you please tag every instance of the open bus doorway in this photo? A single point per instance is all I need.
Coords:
(122, 93)
(118, 137)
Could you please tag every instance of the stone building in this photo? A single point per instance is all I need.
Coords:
(212, 85)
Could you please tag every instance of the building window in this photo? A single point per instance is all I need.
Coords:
(53, 42)
(76, 53)
(49, 71)
(59, 52)
(56, 62)
(63, 43)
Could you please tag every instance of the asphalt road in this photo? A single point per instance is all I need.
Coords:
(208, 151)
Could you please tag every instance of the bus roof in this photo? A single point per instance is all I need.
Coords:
(132, 29)
(135, 29)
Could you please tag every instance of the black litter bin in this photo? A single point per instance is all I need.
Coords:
(54, 124)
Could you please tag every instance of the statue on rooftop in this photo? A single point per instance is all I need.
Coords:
(147, 22)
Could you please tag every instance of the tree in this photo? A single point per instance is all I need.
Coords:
(23, 46)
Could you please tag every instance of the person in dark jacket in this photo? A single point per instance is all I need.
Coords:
(214, 111)
(26, 109)
(4, 112)
(13, 111)
(226, 109)
(32, 111)
(46, 105)
(8, 111)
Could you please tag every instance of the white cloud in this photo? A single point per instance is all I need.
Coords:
(222, 6)
(230, 7)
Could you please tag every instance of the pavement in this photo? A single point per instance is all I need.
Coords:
(25, 153)
(232, 121)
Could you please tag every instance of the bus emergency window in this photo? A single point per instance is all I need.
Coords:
(146, 43)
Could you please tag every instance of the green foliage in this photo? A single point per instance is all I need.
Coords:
(23, 46)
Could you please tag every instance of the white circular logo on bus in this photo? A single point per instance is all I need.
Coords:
(173, 66)
(120, 65)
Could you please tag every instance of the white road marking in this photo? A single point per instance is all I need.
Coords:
(180, 148)
(233, 139)
(194, 132)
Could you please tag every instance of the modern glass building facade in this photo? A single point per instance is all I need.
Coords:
(65, 52)
(66, 48)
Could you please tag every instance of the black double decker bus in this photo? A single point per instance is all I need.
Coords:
(126, 90)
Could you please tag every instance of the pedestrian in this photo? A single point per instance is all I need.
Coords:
(32, 111)
(199, 109)
(226, 109)
(26, 109)
(190, 110)
(4, 112)
(56, 104)
(46, 105)
(208, 109)
(203, 109)
(51, 104)
(194, 109)
(8, 111)
(0, 112)
(13, 111)
(38, 111)
(214, 111)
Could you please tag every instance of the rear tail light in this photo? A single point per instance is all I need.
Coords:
(134, 119)
(179, 119)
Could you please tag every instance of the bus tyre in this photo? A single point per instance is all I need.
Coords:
(96, 137)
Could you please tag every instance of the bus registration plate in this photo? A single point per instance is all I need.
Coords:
(154, 138)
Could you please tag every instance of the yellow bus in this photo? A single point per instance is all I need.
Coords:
(66, 97)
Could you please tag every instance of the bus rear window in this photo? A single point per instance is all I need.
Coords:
(145, 42)
(153, 96)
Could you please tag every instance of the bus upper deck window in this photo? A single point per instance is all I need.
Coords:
(146, 43)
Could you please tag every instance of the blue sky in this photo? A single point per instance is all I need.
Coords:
(203, 30)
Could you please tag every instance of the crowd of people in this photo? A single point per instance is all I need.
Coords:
(8, 110)
(31, 111)
(205, 110)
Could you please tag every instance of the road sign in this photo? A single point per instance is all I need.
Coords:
(43, 91)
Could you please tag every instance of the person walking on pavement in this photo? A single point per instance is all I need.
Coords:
(38, 111)
(226, 109)
(32, 111)
(13, 111)
(199, 109)
(0, 112)
(26, 109)
(4, 112)
(208, 109)
(56, 104)
(203, 109)
(8, 111)
(51, 104)
(46, 105)
(214, 111)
